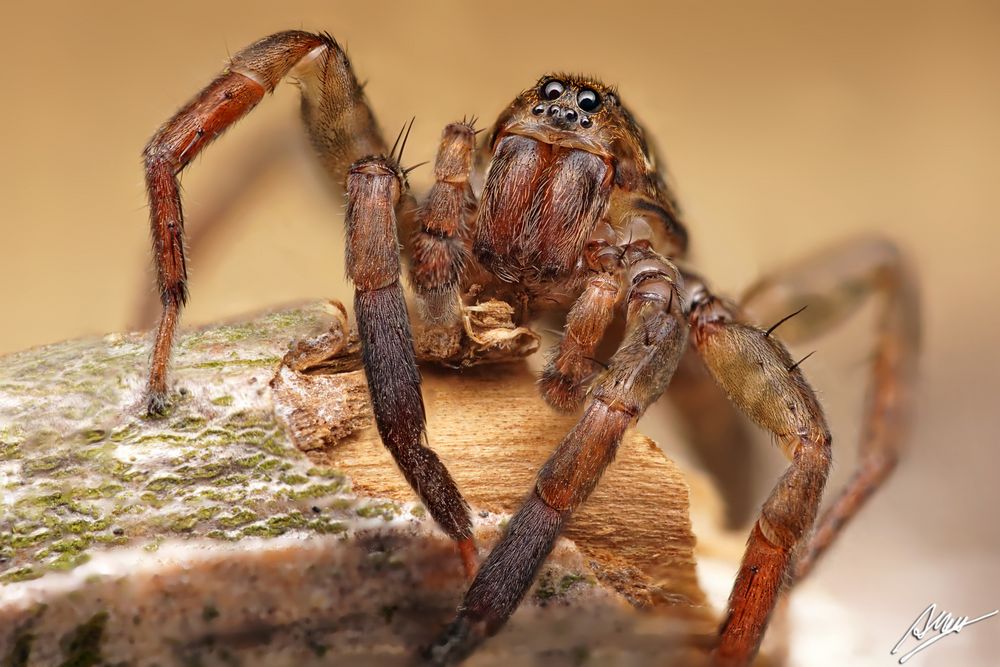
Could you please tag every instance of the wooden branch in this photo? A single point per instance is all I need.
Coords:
(261, 517)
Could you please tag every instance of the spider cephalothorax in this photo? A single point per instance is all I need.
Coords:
(564, 205)
(563, 151)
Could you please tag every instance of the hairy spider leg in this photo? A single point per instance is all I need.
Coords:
(637, 374)
(338, 118)
(716, 433)
(632, 216)
(570, 364)
(757, 373)
(343, 131)
(374, 186)
(834, 283)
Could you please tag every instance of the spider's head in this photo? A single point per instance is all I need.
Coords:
(571, 111)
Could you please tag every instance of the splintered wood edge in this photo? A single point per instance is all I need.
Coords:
(493, 431)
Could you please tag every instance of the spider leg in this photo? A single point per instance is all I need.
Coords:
(638, 373)
(340, 124)
(833, 284)
(440, 242)
(717, 434)
(655, 215)
(343, 131)
(570, 364)
(638, 217)
(374, 188)
(761, 379)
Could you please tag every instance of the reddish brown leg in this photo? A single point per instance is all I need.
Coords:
(214, 221)
(570, 364)
(833, 284)
(638, 373)
(762, 380)
(374, 186)
(639, 219)
(440, 242)
(340, 124)
(343, 131)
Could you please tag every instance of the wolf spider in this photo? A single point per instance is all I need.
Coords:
(563, 205)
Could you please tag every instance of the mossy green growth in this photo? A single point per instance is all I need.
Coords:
(238, 517)
(548, 587)
(293, 479)
(86, 471)
(386, 509)
(276, 525)
(24, 573)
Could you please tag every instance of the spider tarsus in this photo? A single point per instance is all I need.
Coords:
(455, 644)
(156, 404)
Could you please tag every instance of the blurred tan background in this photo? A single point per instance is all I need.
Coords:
(786, 126)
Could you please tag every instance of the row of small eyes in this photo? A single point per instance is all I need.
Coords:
(587, 99)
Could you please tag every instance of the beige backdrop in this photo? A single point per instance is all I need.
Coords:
(786, 125)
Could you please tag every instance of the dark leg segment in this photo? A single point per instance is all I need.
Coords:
(374, 188)
(638, 373)
(339, 122)
(763, 381)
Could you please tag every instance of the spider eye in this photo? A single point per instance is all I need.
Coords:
(553, 90)
(588, 100)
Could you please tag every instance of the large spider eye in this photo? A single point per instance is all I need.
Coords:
(588, 100)
(553, 90)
